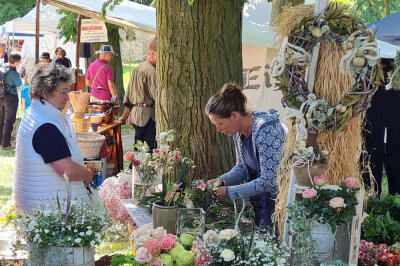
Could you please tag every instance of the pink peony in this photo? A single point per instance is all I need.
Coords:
(166, 243)
(309, 193)
(337, 202)
(136, 163)
(155, 261)
(159, 232)
(202, 258)
(351, 183)
(153, 247)
(142, 255)
(319, 180)
(129, 156)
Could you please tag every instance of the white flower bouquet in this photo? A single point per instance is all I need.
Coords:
(81, 226)
(229, 247)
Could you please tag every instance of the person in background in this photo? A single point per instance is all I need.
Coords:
(54, 58)
(9, 103)
(140, 98)
(46, 144)
(17, 48)
(61, 59)
(25, 98)
(45, 58)
(258, 139)
(3, 53)
(100, 76)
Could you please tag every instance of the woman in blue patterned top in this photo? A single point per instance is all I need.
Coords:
(258, 138)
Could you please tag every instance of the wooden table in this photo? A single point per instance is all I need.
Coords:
(139, 214)
(115, 155)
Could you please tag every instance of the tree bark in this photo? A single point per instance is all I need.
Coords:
(116, 63)
(199, 49)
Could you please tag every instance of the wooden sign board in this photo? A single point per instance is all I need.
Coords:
(93, 30)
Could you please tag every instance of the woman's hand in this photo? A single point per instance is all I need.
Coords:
(212, 181)
(221, 192)
(217, 182)
(93, 171)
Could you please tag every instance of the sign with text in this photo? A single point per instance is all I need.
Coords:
(93, 30)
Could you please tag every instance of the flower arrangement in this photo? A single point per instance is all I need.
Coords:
(169, 164)
(112, 190)
(381, 254)
(156, 247)
(201, 195)
(49, 226)
(229, 247)
(333, 207)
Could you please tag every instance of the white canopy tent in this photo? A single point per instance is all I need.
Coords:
(126, 14)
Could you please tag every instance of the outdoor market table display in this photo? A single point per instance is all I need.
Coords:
(115, 155)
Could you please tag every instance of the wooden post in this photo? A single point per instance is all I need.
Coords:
(78, 51)
(37, 31)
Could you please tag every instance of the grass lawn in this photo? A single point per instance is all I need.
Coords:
(7, 164)
(127, 73)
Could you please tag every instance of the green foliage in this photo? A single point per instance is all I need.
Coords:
(303, 245)
(369, 10)
(10, 10)
(380, 229)
(379, 206)
(383, 223)
(68, 25)
(120, 259)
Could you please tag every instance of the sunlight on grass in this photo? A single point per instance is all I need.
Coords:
(7, 164)
(127, 73)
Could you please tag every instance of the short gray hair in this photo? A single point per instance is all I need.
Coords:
(46, 77)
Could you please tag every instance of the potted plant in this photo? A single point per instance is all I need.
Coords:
(308, 162)
(324, 209)
(63, 234)
(161, 166)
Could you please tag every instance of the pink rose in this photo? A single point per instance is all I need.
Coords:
(361, 255)
(142, 255)
(142, 240)
(153, 247)
(319, 180)
(309, 193)
(211, 236)
(351, 183)
(136, 163)
(155, 261)
(202, 187)
(202, 258)
(172, 236)
(166, 243)
(159, 232)
(156, 151)
(337, 202)
(129, 156)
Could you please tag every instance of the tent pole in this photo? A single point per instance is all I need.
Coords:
(78, 51)
(37, 31)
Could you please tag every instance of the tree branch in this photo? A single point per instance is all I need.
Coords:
(371, 2)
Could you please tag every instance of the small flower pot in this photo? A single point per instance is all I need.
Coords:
(306, 173)
(165, 216)
(324, 240)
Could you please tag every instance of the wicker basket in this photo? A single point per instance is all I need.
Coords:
(90, 144)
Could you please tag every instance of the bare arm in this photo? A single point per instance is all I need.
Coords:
(87, 82)
(125, 115)
(74, 171)
(112, 87)
(23, 103)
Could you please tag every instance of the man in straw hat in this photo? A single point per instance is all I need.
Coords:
(100, 76)
(140, 97)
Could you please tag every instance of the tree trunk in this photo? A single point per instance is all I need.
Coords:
(116, 63)
(199, 49)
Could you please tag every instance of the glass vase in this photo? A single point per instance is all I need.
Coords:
(145, 182)
(191, 221)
